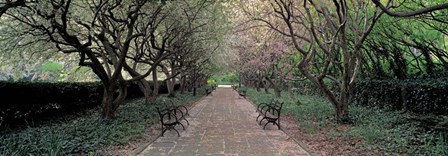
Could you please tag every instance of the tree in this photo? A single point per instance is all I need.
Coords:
(100, 33)
(322, 38)
(329, 37)
(171, 33)
(260, 57)
(116, 38)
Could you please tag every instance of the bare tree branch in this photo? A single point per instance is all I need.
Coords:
(411, 13)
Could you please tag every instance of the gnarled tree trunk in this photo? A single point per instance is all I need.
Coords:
(274, 86)
(110, 103)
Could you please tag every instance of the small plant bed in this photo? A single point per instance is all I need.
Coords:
(373, 132)
(86, 133)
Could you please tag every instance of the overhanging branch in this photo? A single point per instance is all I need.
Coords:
(411, 13)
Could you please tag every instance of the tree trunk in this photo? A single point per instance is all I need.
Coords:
(342, 114)
(429, 63)
(291, 93)
(190, 82)
(170, 87)
(155, 90)
(340, 110)
(145, 87)
(122, 93)
(239, 82)
(107, 102)
(169, 82)
(260, 82)
(266, 88)
(173, 73)
(111, 103)
(182, 82)
(274, 86)
(194, 82)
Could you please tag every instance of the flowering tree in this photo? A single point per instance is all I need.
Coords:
(260, 57)
(328, 36)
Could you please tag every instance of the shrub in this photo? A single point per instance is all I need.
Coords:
(423, 96)
(33, 101)
(25, 100)
(418, 96)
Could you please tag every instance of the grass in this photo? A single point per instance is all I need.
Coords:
(387, 131)
(86, 133)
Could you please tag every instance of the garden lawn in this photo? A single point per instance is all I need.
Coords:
(86, 133)
(373, 129)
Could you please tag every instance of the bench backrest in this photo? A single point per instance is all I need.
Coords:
(166, 114)
(275, 107)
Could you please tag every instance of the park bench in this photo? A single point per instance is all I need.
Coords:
(171, 116)
(242, 93)
(270, 112)
(234, 87)
(208, 92)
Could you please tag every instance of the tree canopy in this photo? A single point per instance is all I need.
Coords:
(270, 43)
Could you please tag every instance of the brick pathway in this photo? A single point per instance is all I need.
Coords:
(224, 124)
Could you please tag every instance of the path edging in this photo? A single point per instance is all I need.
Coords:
(141, 148)
(303, 145)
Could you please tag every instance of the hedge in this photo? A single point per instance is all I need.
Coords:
(421, 96)
(33, 101)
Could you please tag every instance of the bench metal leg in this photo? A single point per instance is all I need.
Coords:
(264, 127)
(186, 111)
(273, 123)
(278, 123)
(188, 123)
(178, 134)
(262, 120)
(183, 127)
(163, 131)
(170, 128)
